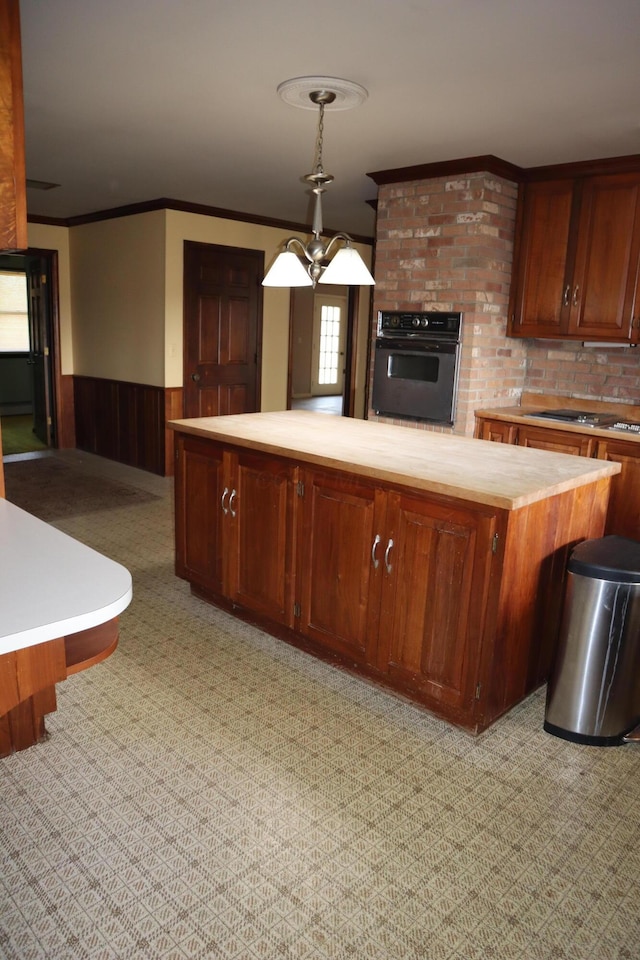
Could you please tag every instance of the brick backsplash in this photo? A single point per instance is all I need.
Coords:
(570, 370)
(447, 244)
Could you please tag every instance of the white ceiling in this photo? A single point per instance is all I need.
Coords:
(132, 100)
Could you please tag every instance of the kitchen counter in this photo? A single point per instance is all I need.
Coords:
(524, 414)
(476, 470)
(50, 584)
(59, 607)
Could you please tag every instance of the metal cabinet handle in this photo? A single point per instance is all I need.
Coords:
(576, 296)
(386, 556)
(376, 563)
(567, 294)
(231, 499)
(222, 499)
(195, 376)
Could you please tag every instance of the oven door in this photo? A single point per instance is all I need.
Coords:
(415, 379)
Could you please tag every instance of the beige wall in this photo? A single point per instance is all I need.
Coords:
(45, 237)
(275, 334)
(117, 285)
(121, 298)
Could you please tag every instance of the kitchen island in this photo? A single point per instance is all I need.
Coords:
(431, 564)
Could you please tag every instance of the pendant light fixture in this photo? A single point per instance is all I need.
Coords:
(346, 266)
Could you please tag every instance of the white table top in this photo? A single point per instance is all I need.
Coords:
(50, 584)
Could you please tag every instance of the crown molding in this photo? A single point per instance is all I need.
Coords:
(447, 168)
(165, 203)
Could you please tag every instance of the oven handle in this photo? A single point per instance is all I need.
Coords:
(417, 346)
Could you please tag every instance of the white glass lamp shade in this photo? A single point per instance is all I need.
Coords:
(287, 271)
(347, 267)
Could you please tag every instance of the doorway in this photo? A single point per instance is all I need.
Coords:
(29, 354)
(321, 354)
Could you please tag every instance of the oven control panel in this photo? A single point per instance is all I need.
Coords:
(429, 323)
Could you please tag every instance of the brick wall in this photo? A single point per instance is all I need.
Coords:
(568, 369)
(447, 244)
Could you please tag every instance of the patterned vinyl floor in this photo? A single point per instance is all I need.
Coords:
(209, 791)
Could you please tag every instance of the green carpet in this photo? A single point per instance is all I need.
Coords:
(18, 435)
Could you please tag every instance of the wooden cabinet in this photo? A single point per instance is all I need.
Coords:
(261, 533)
(431, 625)
(340, 562)
(198, 493)
(13, 193)
(576, 259)
(432, 595)
(397, 581)
(576, 444)
(623, 514)
(623, 517)
(496, 431)
(235, 525)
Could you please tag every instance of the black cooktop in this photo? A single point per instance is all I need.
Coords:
(585, 417)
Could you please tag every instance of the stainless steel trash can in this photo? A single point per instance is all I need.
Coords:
(593, 695)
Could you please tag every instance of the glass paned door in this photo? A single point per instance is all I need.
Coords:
(328, 345)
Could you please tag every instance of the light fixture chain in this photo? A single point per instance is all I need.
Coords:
(319, 142)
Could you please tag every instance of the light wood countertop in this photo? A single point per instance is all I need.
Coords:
(498, 475)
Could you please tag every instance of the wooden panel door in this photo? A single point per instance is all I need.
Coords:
(261, 518)
(433, 623)
(340, 563)
(623, 515)
(199, 485)
(558, 441)
(606, 265)
(222, 326)
(542, 259)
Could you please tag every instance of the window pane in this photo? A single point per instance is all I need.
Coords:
(329, 354)
(14, 315)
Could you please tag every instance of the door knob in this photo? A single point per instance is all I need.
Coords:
(195, 376)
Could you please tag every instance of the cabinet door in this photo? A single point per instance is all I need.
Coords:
(540, 292)
(558, 441)
(198, 491)
(606, 263)
(340, 563)
(261, 534)
(623, 515)
(434, 598)
(498, 431)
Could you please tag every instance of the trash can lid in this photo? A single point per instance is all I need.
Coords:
(609, 558)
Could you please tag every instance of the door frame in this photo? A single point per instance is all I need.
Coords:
(54, 365)
(350, 352)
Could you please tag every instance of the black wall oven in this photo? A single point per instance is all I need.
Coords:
(415, 370)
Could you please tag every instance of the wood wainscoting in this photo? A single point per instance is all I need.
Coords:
(127, 421)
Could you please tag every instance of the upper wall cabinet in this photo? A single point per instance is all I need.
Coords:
(13, 203)
(576, 259)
